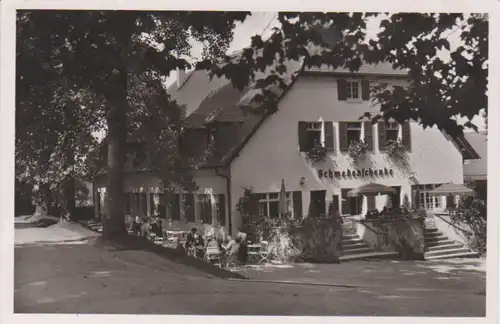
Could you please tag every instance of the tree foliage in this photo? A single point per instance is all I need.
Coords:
(439, 90)
(97, 51)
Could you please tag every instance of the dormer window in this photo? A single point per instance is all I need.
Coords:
(353, 90)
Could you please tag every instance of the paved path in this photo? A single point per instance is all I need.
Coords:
(82, 278)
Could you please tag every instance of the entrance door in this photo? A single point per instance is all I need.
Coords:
(318, 203)
(396, 198)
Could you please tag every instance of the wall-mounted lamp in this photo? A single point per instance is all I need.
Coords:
(302, 181)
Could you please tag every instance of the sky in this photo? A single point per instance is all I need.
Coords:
(261, 23)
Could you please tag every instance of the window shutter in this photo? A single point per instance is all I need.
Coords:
(189, 207)
(335, 204)
(329, 139)
(406, 136)
(342, 89)
(302, 136)
(382, 139)
(450, 202)
(254, 204)
(297, 204)
(152, 207)
(416, 198)
(143, 201)
(359, 205)
(221, 218)
(365, 89)
(128, 198)
(343, 136)
(174, 206)
(162, 208)
(369, 135)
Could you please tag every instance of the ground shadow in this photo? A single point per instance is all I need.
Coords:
(136, 243)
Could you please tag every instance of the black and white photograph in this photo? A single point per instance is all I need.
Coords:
(325, 163)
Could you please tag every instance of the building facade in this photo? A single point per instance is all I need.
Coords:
(319, 109)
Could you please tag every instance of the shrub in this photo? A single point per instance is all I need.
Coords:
(249, 210)
(471, 212)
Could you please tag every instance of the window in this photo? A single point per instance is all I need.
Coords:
(204, 206)
(313, 134)
(353, 132)
(426, 199)
(391, 131)
(268, 204)
(352, 90)
(350, 205)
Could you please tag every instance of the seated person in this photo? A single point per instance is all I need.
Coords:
(156, 227)
(190, 238)
(232, 249)
(199, 245)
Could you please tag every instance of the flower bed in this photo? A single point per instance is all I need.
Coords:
(311, 240)
(357, 151)
(395, 149)
(317, 153)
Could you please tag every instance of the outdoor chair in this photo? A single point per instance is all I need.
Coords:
(258, 253)
(213, 255)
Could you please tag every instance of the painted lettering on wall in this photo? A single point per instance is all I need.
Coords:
(370, 172)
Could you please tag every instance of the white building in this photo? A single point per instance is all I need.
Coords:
(318, 106)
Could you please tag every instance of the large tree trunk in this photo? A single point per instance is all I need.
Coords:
(114, 220)
(69, 197)
(43, 200)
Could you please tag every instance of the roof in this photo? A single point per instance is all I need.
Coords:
(384, 68)
(477, 167)
(218, 101)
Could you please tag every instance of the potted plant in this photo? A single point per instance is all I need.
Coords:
(357, 150)
(317, 153)
(395, 149)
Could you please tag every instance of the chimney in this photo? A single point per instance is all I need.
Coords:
(181, 77)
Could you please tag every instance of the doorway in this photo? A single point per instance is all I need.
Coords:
(317, 207)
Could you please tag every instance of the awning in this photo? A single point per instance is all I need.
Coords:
(371, 189)
(452, 189)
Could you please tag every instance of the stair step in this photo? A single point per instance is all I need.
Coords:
(360, 244)
(436, 239)
(433, 234)
(351, 242)
(431, 230)
(349, 236)
(455, 255)
(444, 247)
(358, 250)
(447, 251)
(370, 255)
(438, 243)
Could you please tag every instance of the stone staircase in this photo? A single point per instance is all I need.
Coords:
(438, 246)
(354, 248)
